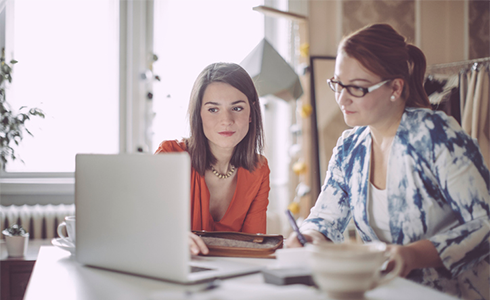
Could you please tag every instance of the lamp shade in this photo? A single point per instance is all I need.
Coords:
(271, 74)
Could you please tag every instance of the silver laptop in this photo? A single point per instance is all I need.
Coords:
(133, 216)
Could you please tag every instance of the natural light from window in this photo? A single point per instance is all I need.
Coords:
(67, 53)
(68, 67)
(188, 36)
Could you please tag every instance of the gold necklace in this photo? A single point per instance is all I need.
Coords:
(223, 176)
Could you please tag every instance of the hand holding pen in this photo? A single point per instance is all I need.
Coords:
(299, 236)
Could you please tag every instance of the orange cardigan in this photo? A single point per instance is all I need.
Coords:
(247, 209)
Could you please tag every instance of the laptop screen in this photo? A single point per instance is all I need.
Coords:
(132, 213)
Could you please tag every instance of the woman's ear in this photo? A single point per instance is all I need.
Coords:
(397, 87)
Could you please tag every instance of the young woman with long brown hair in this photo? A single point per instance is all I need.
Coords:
(229, 177)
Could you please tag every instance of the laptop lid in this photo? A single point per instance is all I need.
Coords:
(133, 216)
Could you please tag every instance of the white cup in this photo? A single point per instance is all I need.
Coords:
(349, 270)
(69, 224)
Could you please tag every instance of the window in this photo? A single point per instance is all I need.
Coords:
(72, 64)
(68, 65)
(188, 36)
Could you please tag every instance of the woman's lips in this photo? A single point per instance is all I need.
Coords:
(227, 133)
(348, 112)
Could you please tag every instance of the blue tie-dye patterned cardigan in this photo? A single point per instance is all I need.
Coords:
(437, 188)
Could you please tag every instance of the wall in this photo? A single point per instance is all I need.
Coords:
(399, 14)
(442, 31)
(446, 30)
(479, 29)
(324, 27)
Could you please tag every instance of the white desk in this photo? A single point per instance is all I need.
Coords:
(57, 275)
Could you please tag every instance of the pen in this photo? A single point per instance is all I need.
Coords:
(301, 237)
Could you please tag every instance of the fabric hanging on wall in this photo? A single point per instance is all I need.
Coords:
(480, 125)
(463, 90)
(443, 93)
(473, 89)
(466, 120)
(475, 116)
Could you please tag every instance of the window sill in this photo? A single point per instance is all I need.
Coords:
(37, 186)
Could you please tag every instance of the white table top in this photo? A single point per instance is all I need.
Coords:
(57, 275)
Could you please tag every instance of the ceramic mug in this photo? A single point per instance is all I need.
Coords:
(69, 224)
(348, 270)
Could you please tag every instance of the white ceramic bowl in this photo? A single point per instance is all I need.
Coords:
(349, 270)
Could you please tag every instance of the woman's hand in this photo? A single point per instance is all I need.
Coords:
(420, 254)
(197, 245)
(407, 257)
(311, 237)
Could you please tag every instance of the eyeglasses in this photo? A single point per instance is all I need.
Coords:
(354, 90)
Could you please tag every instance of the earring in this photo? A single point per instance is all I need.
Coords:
(392, 97)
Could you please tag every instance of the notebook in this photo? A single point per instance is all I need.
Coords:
(133, 216)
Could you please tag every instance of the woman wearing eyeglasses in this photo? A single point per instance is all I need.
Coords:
(409, 176)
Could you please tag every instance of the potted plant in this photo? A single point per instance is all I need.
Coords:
(16, 239)
(12, 124)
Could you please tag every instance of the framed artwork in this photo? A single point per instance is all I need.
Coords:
(328, 119)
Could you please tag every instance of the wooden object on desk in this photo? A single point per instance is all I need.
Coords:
(16, 271)
(240, 244)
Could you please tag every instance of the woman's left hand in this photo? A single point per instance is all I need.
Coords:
(417, 255)
(197, 245)
(407, 256)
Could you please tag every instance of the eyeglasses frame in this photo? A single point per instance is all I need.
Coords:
(364, 90)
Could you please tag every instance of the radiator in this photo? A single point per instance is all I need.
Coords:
(41, 221)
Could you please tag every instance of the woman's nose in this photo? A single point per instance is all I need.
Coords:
(227, 118)
(343, 98)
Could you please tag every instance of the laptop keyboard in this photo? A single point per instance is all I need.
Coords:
(195, 269)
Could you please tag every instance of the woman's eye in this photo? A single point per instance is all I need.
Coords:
(237, 108)
(213, 109)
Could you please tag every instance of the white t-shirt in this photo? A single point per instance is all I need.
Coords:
(378, 215)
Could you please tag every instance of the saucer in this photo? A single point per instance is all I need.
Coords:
(63, 245)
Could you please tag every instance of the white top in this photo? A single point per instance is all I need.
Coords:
(378, 215)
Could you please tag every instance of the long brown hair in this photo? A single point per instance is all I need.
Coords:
(246, 153)
(384, 52)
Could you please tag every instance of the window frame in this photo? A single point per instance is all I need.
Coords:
(135, 110)
(135, 30)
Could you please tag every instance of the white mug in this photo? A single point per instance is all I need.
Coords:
(69, 224)
(348, 270)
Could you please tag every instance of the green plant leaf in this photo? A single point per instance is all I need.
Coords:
(12, 125)
(14, 230)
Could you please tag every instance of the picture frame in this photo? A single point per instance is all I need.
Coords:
(328, 120)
